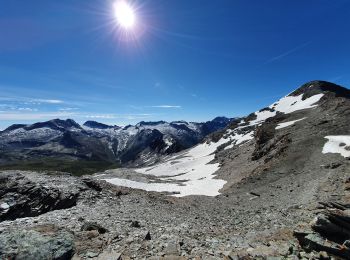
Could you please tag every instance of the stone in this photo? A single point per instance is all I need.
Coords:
(89, 226)
(316, 242)
(92, 184)
(147, 236)
(91, 254)
(323, 255)
(172, 248)
(33, 245)
(333, 165)
(135, 224)
(92, 234)
(22, 197)
(110, 255)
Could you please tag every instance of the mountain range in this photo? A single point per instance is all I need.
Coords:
(93, 145)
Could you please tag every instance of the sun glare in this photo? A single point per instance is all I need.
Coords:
(124, 14)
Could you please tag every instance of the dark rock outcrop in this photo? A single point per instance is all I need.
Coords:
(331, 231)
(21, 197)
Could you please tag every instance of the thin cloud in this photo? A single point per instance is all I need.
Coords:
(101, 116)
(27, 100)
(287, 53)
(48, 101)
(67, 108)
(27, 109)
(28, 115)
(166, 106)
(115, 116)
(34, 116)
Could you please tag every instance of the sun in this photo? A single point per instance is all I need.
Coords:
(124, 14)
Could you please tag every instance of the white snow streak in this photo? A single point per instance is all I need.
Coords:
(286, 124)
(240, 138)
(287, 105)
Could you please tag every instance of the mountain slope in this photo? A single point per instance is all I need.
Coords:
(288, 137)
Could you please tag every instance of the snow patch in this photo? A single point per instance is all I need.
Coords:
(338, 144)
(287, 105)
(192, 168)
(168, 142)
(240, 138)
(286, 124)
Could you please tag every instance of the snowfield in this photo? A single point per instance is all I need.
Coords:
(192, 168)
(286, 124)
(338, 144)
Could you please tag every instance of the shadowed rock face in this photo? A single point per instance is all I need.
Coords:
(22, 197)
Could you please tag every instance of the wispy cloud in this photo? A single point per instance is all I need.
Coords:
(166, 106)
(34, 101)
(117, 116)
(101, 116)
(27, 115)
(48, 101)
(68, 108)
(16, 116)
(287, 53)
(12, 107)
(27, 109)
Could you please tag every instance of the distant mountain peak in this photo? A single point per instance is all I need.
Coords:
(151, 123)
(57, 124)
(14, 127)
(221, 119)
(97, 125)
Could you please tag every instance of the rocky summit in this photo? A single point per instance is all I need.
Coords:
(272, 185)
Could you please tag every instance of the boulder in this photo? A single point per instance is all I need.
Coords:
(34, 245)
(21, 196)
(90, 226)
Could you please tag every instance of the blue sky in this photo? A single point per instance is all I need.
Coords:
(184, 59)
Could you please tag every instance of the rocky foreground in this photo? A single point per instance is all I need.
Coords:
(58, 216)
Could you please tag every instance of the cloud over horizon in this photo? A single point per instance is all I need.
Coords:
(167, 106)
